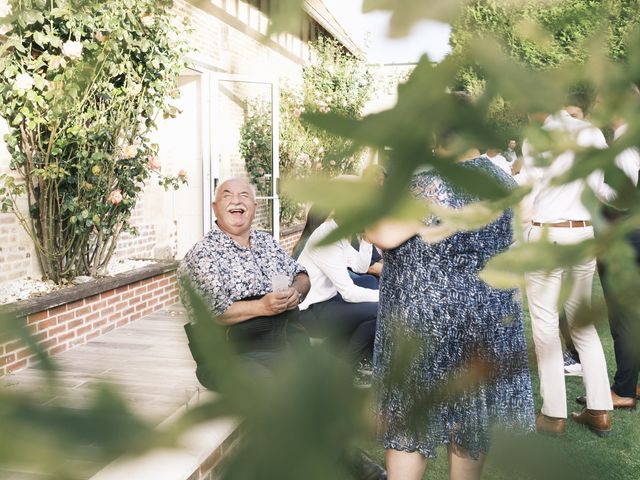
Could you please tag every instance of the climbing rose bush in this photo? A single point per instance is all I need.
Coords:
(83, 83)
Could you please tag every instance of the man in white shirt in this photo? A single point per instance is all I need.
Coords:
(336, 308)
(558, 212)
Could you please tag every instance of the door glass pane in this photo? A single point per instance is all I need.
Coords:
(244, 133)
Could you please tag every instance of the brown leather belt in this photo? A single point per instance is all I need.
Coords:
(565, 224)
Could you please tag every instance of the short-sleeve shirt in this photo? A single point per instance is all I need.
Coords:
(224, 272)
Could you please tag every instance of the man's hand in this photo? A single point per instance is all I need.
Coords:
(294, 298)
(276, 302)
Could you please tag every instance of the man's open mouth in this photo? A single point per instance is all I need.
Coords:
(237, 210)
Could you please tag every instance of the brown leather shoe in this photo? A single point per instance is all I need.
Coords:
(623, 403)
(619, 403)
(597, 421)
(638, 392)
(550, 425)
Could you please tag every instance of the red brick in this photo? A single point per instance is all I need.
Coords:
(99, 305)
(59, 349)
(83, 311)
(91, 318)
(147, 296)
(127, 312)
(92, 299)
(53, 332)
(107, 311)
(13, 346)
(58, 310)
(5, 359)
(121, 305)
(108, 293)
(14, 367)
(24, 353)
(43, 325)
(66, 336)
(64, 318)
(36, 317)
(74, 305)
(75, 323)
(141, 306)
(122, 322)
(127, 295)
(83, 330)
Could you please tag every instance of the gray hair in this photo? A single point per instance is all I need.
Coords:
(252, 187)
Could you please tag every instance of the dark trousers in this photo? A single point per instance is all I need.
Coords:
(364, 280)
(347, 327)
(625, 330)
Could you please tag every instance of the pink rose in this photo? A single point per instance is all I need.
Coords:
(115, 197)
(99, 36)
(182, 173)
(154, 163)
(55, 63)
(297, 112)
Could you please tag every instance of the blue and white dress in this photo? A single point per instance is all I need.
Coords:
(450, 357)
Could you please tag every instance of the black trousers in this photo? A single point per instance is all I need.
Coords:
(349, 328)
(625, 330)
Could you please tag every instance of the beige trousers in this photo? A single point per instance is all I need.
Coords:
(543, 294)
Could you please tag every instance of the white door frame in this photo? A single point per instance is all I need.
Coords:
(215, 157)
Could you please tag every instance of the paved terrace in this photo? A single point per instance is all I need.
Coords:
(149, 361)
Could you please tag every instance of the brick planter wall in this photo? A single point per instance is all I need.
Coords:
(289, 237)
(73, 316)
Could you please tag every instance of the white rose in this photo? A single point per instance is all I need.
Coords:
(147, 20)
(129, 151)
(24, 81)
(5, 10)
(72, 49)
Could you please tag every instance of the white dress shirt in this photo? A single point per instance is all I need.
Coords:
(558, 203)
(628, 160)
(499, 161)
(327, 268)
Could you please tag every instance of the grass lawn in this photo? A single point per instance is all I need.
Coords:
(578, 455)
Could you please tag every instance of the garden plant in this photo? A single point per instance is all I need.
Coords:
(82, 82)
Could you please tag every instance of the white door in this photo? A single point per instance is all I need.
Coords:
(184, 145)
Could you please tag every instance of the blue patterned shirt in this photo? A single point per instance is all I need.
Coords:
(223, 272)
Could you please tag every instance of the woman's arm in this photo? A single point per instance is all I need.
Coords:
(391, 233)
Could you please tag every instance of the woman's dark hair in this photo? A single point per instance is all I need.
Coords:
(315, 217)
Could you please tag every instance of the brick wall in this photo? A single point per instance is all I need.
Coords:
(75, 323)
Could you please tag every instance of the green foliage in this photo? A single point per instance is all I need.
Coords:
(84, 82)
(334, 82)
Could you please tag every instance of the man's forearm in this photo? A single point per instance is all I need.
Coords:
(242, 310)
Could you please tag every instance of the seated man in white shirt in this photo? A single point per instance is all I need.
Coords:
(336, 308)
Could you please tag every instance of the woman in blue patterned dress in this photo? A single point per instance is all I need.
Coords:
(450, 356)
